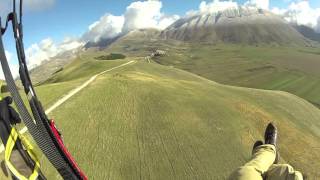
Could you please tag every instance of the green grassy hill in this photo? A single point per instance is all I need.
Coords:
(295, 70)
(147, 121)
(82, 67)
(290, 69)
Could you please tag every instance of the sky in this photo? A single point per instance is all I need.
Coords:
(54, 26)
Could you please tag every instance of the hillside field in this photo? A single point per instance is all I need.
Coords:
(147, 121)
(295, 70)
(291, 69)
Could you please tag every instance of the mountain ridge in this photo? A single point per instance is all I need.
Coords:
(237, 25)
(307, 32)
(246, 26)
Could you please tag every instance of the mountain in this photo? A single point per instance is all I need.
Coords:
(308, 32)
(242, 25)
(142, 34)
(150, 34)
(48, 68)
(136, 43)
(249, 26)
(102, 43)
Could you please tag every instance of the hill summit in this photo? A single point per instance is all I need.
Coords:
(235, 25)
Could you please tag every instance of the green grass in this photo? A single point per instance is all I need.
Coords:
(83, 67)
(3, 87)
(295, 70)
(272, 67)
(49, 93)
(147, 121)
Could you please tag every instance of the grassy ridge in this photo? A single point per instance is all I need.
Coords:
(290, 69)
(148, 121)
(84, 66)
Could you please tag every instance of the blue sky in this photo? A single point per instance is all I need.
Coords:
(57, 19)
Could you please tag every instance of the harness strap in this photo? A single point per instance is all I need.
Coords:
(9, 18)
(14, 136)
(65, 150)
(38, 124)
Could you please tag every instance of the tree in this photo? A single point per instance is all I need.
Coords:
(4, 88)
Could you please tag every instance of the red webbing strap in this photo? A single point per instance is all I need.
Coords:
(64, 149)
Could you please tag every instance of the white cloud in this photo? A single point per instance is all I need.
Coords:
(13, 66)
(216, 6)
(263, 4)
(142, 15)
(318, 25)
(221, 5)
(278, 11)
(37, 53)
(8, 55)
(301, 13)
(109, 26)
(14, 71)
(69, 44)
(138, 15)
(46, 49)
(166, 21)
(146, 14)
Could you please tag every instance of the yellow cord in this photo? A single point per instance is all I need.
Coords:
(14, 135)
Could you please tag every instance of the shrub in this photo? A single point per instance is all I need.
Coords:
(3, 88)
(112, 56)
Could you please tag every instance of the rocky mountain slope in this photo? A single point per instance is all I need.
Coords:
(241, 25)
(308, 32)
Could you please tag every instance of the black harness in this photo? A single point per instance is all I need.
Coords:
(40, 127)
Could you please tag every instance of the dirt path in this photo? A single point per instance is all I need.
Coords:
(72, 93)
(78, 89)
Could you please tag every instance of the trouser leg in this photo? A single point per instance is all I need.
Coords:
(20, 163)
(283, 172)
(263, 157)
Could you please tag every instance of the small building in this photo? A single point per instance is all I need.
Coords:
(159, 53)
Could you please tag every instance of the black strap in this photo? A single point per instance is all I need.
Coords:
(9, 18)
(9, 116)
(39, 125)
